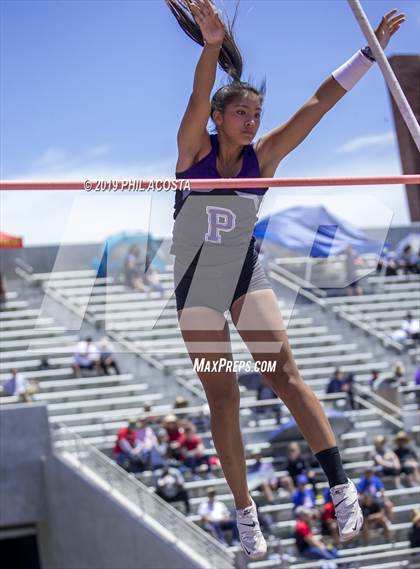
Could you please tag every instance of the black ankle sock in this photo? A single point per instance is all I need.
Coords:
(330, 461)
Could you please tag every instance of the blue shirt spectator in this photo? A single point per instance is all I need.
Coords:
(303, 496)
(370, 484)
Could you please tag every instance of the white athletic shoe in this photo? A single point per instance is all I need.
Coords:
(347, 510)
(252, 539)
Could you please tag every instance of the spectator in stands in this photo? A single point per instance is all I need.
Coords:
(152, 420)
(176, 435)
(414, 535)
(2, 290)
(417, 376)
(265, 392)
(297, 464)
(373, 380)
(162, 442)
(386, 461)
(409, 330)
(147, 446)
(374, 517)
(86, 357)
(170, 486)
(337, 383)
(181, 403)
(151, 278)
(106, 357)
(308, 545)
(134, 269)
(387, 263)
(261, 476)
(371, 484)
(216, 518)
(303, 496)
(329, 524)
(408, 458)
(351, 260)
(193, 452)
(124, 451)
(348, 387)
(399, 374)
(17, 385)
(407, 260)
(411, 327)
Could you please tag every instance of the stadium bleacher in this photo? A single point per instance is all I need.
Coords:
(95, 406)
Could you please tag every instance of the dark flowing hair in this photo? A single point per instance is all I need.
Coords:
(230, 58)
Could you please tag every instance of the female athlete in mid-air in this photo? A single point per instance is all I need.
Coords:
(216, 266)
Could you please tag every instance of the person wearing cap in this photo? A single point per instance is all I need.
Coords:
(407, 457)
(372, 485)
(414, 535)
(176, 435)
(308, 545)
(170, 486)
(303, 496)
(386, 461)
(216, 518)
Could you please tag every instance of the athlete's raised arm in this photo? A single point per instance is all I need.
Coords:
(206, 28)
(279, 142)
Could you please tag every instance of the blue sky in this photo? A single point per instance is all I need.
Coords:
(97, 88)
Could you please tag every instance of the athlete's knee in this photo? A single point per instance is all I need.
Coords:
(285, 381)
(223, 400)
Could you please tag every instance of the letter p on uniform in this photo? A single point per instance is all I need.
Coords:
(219, 219)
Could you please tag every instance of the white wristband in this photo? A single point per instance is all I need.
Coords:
(352, 70)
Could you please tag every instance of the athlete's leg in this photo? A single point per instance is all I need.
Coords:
(258, 320)
(221, 390)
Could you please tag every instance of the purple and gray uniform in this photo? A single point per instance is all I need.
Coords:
(215, 258)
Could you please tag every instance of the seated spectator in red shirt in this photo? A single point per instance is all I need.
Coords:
(125, 450)
(308, 545)
(193, 450)
(176, 435)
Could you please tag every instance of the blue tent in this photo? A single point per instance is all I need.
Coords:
(116, 247)
(315, 232)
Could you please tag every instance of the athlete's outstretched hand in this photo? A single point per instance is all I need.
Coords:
(207, 18)
(390, 24)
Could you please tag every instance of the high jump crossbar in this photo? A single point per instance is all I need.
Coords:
(389, 75)
(204, 184)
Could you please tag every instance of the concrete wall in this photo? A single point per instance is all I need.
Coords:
(79, 524)
(24, 442)
(87, 528)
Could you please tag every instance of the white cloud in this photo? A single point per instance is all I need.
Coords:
(367, 141)
(74, 216)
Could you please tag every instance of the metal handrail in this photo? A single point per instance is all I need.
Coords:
(201, 547)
